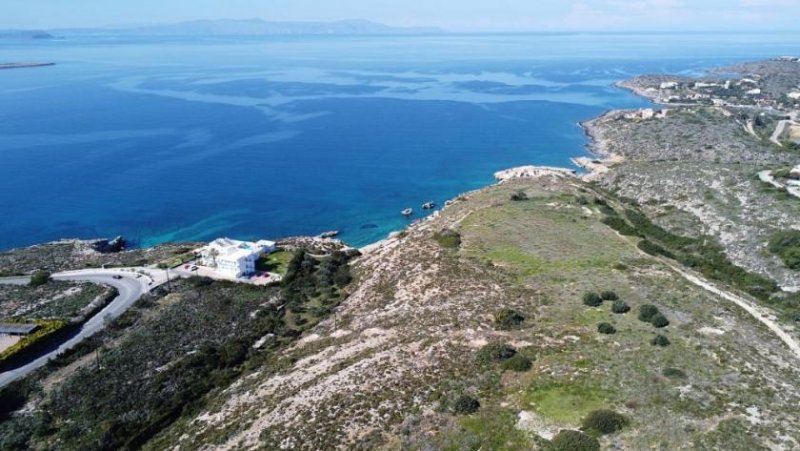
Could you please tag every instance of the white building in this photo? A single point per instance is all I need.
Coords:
(669, 85)
(235, 258)
(754, 92)
(794, 95)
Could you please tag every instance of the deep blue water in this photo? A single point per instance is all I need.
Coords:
(165, 140)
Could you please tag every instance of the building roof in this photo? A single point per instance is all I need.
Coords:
(17, 329)
(234, 249)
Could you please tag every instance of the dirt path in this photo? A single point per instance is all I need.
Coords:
(759, 313)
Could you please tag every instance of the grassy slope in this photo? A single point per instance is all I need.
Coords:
(405, 342)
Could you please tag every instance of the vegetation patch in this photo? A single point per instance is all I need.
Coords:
(276, 262)
(786, 245)
(518, 363)
(592, 299)
(660, 340)
(604, 421)
(496, 352)
(508, 319)
(466, 405)
(488, 429)
(609, 296)
(647, 312)
(39, 278)
(519, 196)
(620, 307)
(673, 373)
(46, 328)
(448, 239)
(703, 254)
(565, 403)
(571, 440)
(606, 329)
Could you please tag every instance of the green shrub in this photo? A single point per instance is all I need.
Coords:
(647, 312)
(518, 363)
(465, 405)
(609, 296)
(606, 328)
(619, 224)
(654, 249)
(519, 196)
(603, 422)
(569, 440)
(448, 239)
(673, 373)
(659, 320)
(39, 278)
(620, 307)
(787, 246)
(507, 319)
(592, 300)
(199, 282)
(496, 352)
(660, 340)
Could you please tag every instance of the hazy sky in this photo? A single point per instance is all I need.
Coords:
(455, 15)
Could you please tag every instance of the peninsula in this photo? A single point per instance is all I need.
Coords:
(649, 304)
(23, 65)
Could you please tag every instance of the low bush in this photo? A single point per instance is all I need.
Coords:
(465, 405)
(39, 278)
(620, 307)
(647, 312)
(518, 363)
(569, 440)
(660, 340)
(609, 296)
(673, 373)
(448, 239)
(603, 422)
(519, 196)
(659, 320)
(496, 352)
(592, 299)
(606, 328)
(507, 319)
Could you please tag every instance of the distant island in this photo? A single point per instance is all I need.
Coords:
(23, 65)
(25, 34)
(254, 27)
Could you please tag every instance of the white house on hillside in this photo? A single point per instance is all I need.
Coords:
(235, 258)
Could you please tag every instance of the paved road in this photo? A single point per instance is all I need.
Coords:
(781, 127)
(130, 290)
(21, 280)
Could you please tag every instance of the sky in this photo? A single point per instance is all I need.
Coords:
(452, 15)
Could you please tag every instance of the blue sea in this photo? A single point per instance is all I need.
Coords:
(175, 139)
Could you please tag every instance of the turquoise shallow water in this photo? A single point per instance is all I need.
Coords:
(168, 140)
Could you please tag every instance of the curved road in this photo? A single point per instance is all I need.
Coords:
(130, 290)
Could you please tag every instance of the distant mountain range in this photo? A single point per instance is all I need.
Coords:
(252, 27)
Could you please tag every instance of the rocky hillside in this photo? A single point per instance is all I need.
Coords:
(474, 330)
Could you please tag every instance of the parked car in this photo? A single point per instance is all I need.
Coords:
(116, 276)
